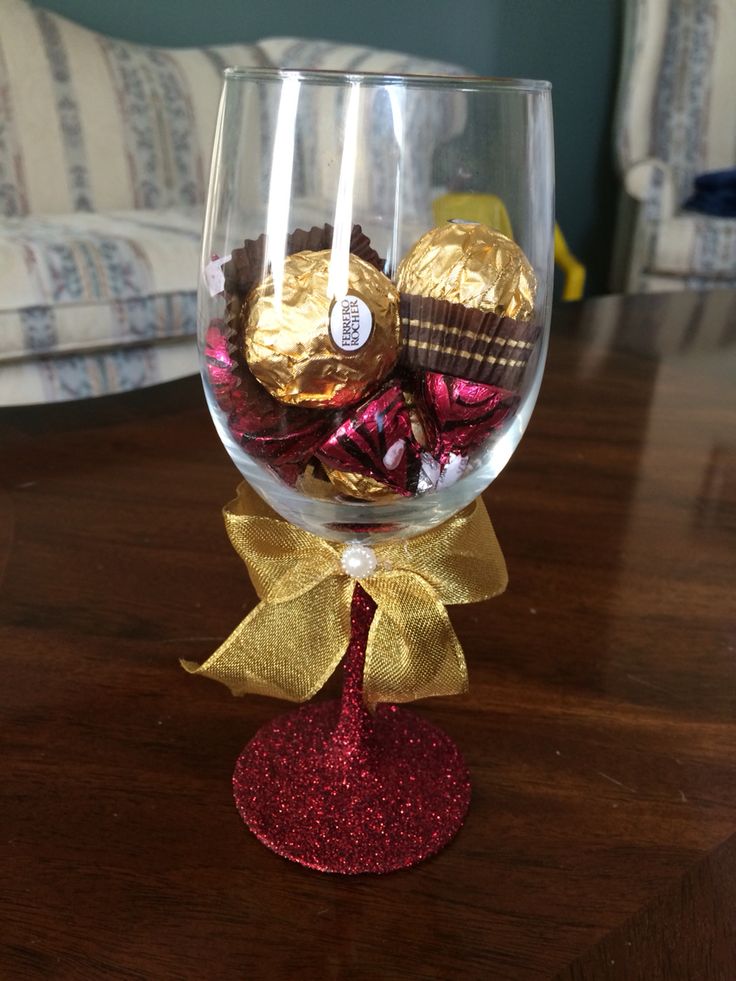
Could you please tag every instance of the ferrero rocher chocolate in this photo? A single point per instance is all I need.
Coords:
(467, 299)
(471, 264)
(310, 347)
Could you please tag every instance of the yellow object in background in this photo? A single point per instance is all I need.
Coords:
(490, 210)
(573, 270)
(485, 208)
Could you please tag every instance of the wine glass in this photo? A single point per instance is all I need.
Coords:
(374, 309)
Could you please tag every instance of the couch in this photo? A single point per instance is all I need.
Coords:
(104, 156)
(675, 119)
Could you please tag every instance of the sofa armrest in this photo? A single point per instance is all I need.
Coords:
(651, 183)
(647, 197)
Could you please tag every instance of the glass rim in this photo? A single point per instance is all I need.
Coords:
(479, 82)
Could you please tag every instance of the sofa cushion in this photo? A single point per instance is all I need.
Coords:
(298, 52)
(91, 281)
(91, 123)
(58, 378)
(690, 244)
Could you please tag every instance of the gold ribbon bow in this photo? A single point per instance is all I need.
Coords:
(290, 644)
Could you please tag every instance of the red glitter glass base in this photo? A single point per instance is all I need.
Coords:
(393, 800)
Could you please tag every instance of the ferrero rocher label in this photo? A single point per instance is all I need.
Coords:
(471, 264)
(311, 348)
(351, 323)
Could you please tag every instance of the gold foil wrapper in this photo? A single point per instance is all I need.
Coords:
(415, 418)
(314, 483)
(360, 486)
(470, 264)
(309, 347)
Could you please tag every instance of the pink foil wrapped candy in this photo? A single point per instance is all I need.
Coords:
(274, 432)
(219, 363)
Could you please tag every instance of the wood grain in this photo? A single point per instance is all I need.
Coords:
(600, 727)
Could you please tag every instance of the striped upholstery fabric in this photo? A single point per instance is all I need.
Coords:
(446, 116)
(675, 120)
(89, 123)
(95, 302)
(104, 156)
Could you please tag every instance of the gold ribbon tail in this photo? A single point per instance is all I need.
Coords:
(413, 651)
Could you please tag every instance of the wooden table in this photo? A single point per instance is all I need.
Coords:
(600, 727)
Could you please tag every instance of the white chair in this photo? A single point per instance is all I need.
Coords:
(675, 119)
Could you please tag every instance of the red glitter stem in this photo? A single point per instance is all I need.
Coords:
(339, 789)
(354, 735)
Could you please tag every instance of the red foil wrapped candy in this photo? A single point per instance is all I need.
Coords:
(460, 414)
(271, 431)
(377, 441)
(220, 364)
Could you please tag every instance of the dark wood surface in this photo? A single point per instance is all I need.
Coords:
(600, 727)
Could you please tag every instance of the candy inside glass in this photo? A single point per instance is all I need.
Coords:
(373, 318)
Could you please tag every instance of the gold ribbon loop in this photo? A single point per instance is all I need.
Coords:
(290, 644)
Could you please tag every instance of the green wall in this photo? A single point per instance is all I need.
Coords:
(573, 43)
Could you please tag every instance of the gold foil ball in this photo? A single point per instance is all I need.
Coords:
(471, 264)
(308, 347)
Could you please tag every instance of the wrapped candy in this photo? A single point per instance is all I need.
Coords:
(467, 299)
(460, 414)
(314, 483)
(310, 347)
(270, 431)
(470, 264)
(220, 364)
(377, 441)
(359, 486)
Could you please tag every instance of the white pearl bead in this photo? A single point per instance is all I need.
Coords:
(359, 561)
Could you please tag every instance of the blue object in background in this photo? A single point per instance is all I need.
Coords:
(715, 194)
